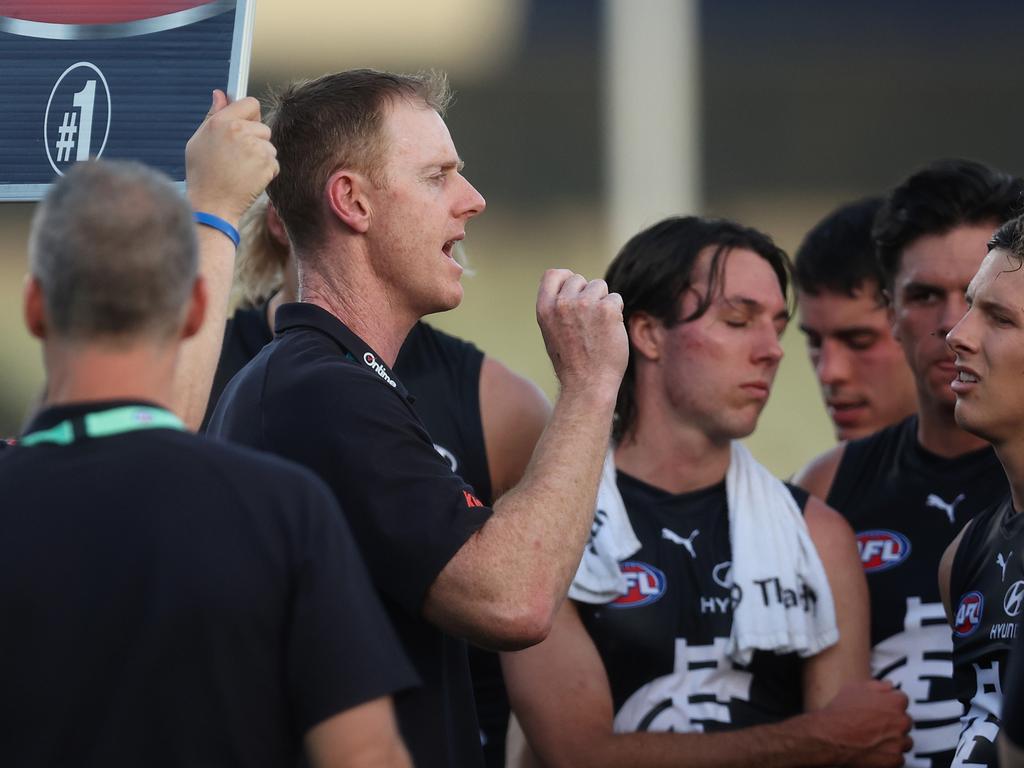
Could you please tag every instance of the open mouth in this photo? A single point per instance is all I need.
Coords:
(447, 248)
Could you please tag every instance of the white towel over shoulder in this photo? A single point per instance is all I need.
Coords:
(786, 604)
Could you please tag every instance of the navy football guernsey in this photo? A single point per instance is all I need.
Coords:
(663, 642)
(906, 505)
(987, 594)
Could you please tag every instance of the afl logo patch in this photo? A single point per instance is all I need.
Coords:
(968, 614)
(645, 584)
(881, 550)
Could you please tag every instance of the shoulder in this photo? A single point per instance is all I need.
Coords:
(503, 389)
(827, 527)
(258, 470)
(816, 478)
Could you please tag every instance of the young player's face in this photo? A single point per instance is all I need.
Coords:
(860, 367)
(928, 300)
(718, 369)
(989, 347)
(422, 211)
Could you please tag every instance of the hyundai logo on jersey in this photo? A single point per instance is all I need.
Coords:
(644, 585)
(968, 614)
(881, 550)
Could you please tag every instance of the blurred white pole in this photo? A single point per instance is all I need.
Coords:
(652, 101)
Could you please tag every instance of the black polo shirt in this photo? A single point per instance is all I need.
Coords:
(319, 395)
(170, 600)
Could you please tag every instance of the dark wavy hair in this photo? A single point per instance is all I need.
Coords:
(655, 268)
(945, 195)
(838, 254)
(1010, 238)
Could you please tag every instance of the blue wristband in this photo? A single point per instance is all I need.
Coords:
(218, 223)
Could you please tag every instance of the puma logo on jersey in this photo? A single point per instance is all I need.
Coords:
(1001, 562)
(949, 508)
(675, 538)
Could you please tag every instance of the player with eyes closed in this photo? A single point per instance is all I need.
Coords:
(864, 378)
(719, 616)
(909, 489)
(982, 577)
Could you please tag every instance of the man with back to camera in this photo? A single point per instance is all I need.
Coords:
(981, 577)
(863, 375)
(372, 198)
(199, 603)
(702, 629)
(909, 489)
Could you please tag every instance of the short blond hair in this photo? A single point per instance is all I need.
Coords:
(262, 258)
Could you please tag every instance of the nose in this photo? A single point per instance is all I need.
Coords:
(471, 202)
(960, 338)
(831, 365)
(953, 310)
(769, 347)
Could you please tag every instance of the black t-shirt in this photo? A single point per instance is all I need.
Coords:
(906, 505)
(664, 642)
(319, 395)
(167, 600)
(986, 589)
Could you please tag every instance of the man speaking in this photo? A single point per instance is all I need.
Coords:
(373, 200)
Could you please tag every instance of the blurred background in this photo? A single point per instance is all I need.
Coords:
(582, 121)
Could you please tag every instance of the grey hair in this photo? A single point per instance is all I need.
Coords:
(113, 247)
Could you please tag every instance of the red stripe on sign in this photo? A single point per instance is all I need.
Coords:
(93, 11)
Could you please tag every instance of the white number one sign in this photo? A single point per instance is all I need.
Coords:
(85, 100)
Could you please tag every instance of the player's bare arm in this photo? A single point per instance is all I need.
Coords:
(945, 570)
(848, 661)
(365, 736)
(228, 162)
(560, 693)
(816, 478)
(514, 412)
(503, 587)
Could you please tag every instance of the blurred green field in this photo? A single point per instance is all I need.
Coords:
(508, 255)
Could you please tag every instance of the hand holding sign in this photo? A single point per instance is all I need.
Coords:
(229, 160)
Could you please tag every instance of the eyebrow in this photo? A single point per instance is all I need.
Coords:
(917, 285)
(842, 333)
(754, 306)
(989, 305)
(451, 165)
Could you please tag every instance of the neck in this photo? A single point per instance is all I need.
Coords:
(938, 432)
(79, 373)
(354, 295)
(672, 458)
(1011, 456)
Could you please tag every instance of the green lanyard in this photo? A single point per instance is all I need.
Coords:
(115, 421)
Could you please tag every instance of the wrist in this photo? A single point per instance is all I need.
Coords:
(213, 221)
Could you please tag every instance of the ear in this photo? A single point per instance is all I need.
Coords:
(646, 335)
(34, 307)
(890, 313)
(196, 309)
(346, 197)
(276, 227)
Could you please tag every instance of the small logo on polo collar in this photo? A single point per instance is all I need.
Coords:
(371, 361)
